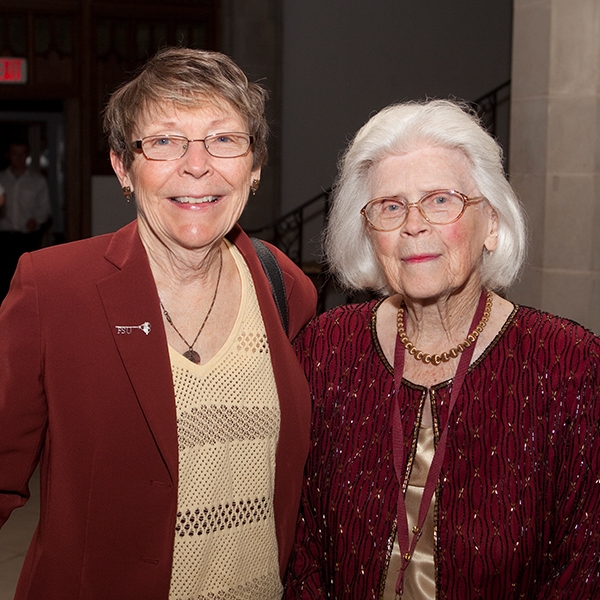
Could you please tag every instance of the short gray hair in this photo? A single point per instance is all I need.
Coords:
(185, 78)
(396, 130)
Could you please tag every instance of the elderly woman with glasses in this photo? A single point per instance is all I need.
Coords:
(149, 371)
(455, 444)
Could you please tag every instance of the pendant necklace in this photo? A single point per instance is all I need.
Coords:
(407, 547)
(191, 354)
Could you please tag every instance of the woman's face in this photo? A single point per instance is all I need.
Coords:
(423, 261)
(194, 201)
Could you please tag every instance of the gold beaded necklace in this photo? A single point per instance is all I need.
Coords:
(436, 359)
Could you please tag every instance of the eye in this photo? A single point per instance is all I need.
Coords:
(440, 199)
(162, 141)
(389, 206)
(224, 138)
(444, 200)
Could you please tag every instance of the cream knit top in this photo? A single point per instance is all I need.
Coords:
(228, 427)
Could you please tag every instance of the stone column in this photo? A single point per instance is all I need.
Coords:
(555, 154)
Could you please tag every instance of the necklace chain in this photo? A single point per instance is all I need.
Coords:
(436, 359)
(191, 354)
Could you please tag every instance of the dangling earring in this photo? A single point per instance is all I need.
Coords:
(127, 193)
(254, 186)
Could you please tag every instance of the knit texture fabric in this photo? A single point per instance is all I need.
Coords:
(228, 427)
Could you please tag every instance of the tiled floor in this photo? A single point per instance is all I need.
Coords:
(14, 540)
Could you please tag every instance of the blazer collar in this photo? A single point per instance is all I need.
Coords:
(126, 246)
(132, 309)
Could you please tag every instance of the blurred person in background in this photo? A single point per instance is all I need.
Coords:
(25, 214)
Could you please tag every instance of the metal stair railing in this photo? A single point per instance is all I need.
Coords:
(487, 106)
(288, 234)
(287, 231)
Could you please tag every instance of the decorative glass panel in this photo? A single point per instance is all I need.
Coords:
(42, 36)
(160, 35)
(143, 39)
(120, 38)
(64, 38)
(103, 37)
(181, 34)
(199, 36)
(17, 35)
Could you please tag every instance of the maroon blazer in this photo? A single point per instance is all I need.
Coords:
(96, 407)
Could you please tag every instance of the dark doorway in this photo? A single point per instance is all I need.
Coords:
(42, 126)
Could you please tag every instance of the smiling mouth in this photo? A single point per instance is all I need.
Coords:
(191, 200)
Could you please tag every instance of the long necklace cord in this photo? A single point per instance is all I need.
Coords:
(407, 548)
(191, 354)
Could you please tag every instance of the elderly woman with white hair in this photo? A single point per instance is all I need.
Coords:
(455, 446)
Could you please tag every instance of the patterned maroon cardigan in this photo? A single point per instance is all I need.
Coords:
(518, 502)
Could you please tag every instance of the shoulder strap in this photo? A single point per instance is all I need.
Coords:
(273, 272)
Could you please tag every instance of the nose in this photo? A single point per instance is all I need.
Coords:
(196, 160)
(415, 221)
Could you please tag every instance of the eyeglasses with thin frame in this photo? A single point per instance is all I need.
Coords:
(172, 147)
(440, 207)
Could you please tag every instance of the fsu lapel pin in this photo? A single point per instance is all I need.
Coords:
(127, 329)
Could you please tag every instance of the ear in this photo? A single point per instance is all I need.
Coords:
(120, 170)
(255, 174)
(491, 241)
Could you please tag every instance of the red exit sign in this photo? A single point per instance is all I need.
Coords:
(13, 70)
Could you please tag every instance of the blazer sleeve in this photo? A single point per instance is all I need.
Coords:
(23, 409)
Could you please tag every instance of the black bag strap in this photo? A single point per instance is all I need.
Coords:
(275, 276)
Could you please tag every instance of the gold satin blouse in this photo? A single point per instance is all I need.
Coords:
(419, 579)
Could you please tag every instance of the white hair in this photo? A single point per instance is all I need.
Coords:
(396, 130)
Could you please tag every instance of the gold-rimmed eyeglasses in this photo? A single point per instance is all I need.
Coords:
(440, 207)
(172, 147)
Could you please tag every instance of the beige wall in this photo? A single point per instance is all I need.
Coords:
(555, 153)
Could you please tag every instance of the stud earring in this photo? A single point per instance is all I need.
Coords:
(127, 193)
(254, 186)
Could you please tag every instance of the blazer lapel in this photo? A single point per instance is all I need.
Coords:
(132, 308)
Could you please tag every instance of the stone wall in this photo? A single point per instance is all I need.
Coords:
(555, 153)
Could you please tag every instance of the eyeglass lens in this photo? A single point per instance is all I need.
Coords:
(439, 207)
(222, 145)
